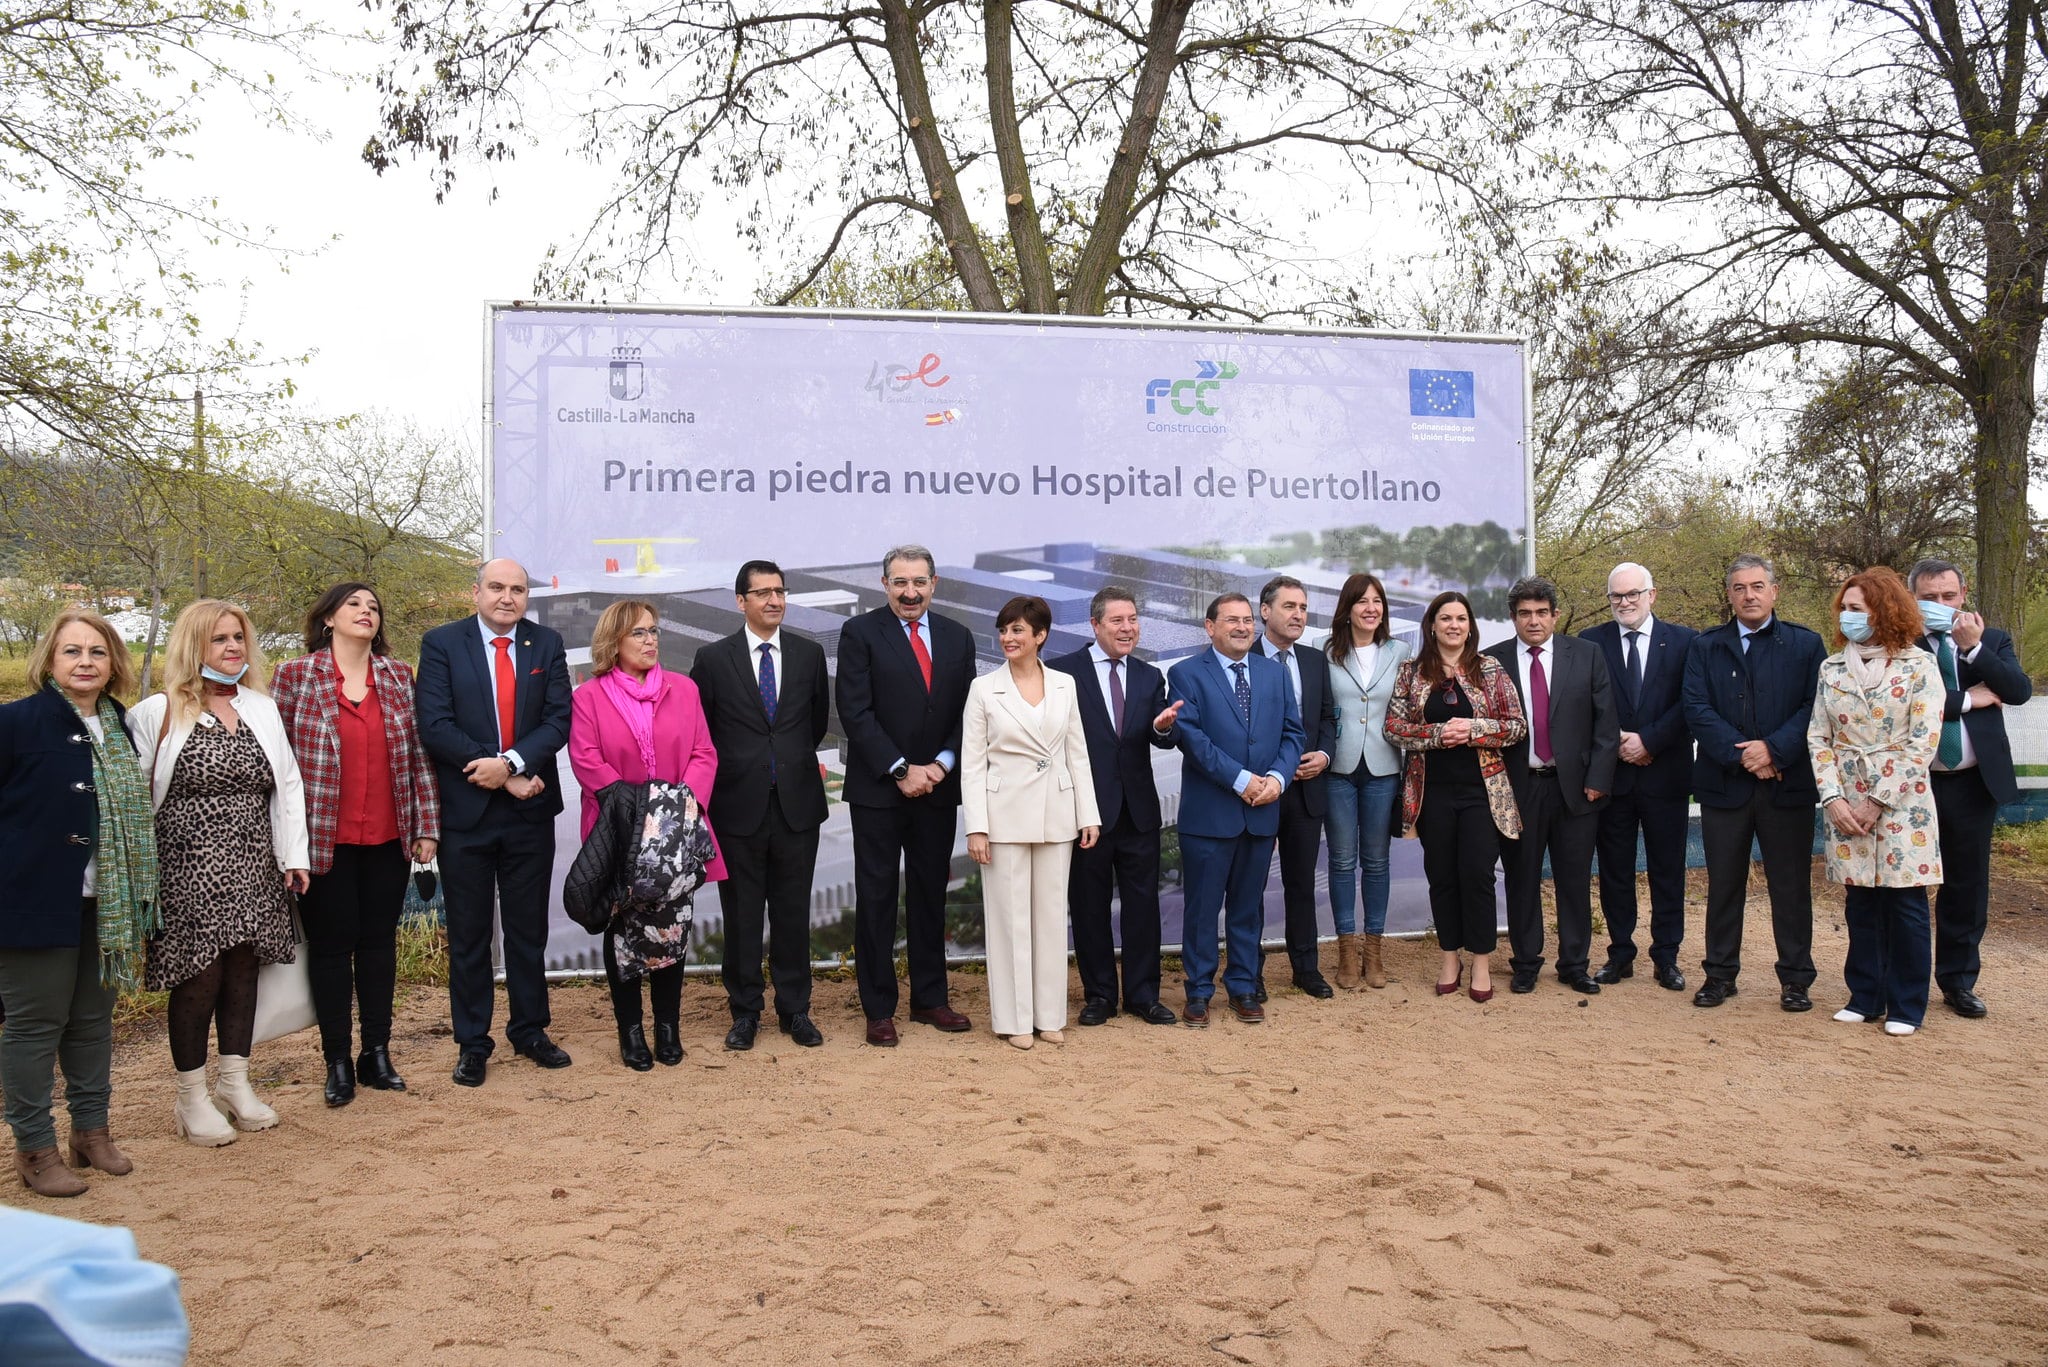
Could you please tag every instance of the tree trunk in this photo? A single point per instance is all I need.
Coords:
(156, 614)
(2004, 413)
(1034, 262)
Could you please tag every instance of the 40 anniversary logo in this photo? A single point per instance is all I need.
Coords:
(1190, 396)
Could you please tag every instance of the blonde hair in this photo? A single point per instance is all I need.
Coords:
(612, 626)
(120, 664)
(185, 652)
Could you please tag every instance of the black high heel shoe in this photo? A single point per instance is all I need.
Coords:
(341, 1082)
(668, 1043)
(633, 1049)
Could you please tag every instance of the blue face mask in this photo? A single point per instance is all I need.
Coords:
(1856, 626)
(1937, 617)
(209, 672)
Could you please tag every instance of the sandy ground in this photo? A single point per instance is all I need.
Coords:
(1390, 1176)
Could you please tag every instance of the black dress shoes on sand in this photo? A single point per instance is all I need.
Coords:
(469, 1067)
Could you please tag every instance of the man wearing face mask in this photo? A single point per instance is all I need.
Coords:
(1749, 686)
(1972, 772)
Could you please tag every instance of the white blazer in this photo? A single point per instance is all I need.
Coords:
(1024, 775)
(259, 714)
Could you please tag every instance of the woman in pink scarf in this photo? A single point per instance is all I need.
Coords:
(634, 722)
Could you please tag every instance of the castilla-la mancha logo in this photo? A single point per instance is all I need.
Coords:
(628, 378)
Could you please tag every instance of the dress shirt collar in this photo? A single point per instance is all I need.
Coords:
(1649, 625)
(1227, 663)
(1743, 633)
(490, 635)
(754, 643)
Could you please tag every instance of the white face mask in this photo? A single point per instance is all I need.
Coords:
(209, 672)
(1937, 617)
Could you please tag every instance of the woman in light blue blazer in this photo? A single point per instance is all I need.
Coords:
(1364, 787)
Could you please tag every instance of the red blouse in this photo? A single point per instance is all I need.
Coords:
(369, 810)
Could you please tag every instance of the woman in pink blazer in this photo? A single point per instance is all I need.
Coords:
(634, 722)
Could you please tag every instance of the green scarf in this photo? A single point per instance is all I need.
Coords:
(124, 879)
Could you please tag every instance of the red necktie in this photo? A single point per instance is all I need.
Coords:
(924, 657)
(508, 686)
(1539, 707)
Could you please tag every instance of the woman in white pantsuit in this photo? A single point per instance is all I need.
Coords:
(1028, 794)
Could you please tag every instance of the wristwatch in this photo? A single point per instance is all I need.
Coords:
(901, 771)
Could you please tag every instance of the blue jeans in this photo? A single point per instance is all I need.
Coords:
(1360, 824)
(1891, 951)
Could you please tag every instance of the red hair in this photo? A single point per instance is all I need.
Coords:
(1894, 616)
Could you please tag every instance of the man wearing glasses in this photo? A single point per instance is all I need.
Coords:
(767, 702)
(1646, 659)
(903, 677)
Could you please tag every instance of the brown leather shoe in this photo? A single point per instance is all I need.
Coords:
(1196, 1011)
(882, 1034)
(1247, 1009)
(44, 1173)
(944, 1018)
(95, 1149)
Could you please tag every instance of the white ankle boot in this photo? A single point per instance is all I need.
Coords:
(235, 1097)
(198, 1120)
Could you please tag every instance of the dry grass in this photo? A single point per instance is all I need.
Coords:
(422, 952)
(2026, 844)
(13, 678)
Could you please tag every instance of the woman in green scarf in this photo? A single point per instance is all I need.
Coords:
(78, 843)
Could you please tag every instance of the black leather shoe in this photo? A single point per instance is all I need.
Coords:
(1795, 999)
(801, 1030)
(1713, 992)
(1315, 984)
(1153, 1013)
(1524, 980)
(1259, 992)
(741, 1037)
(1095, 1011)
(668, 1043)
(469, 1068)
(1669, 978)
(633, 1050)
(1247, 1009)
(1964, 1002)
(1579, 982)
(374, 1070)
(341, 1082)
(543, 1051)
(1611, 973)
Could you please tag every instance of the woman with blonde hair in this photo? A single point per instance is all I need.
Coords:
(80, 896)
(231, 838)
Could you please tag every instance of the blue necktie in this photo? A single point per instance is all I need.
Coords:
(1244, 692)
(768, 697)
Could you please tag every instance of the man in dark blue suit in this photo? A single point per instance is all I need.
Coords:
(1972, 772)
(1646, 659)
(493, 706)
(1124, 715)
(1283, 608)
(1240, 740)
(1748, 692)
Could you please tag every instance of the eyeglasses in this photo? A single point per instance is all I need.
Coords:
(1622, 600)
(645, 633)
(923, 581)
(766, 593)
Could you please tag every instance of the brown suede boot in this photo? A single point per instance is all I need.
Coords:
(44, 1173)
(1347, 962)
(95, 1149)
(1375, 970)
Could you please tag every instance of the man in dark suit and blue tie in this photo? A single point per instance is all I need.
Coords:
(1283, 610)
(1240, 740)
(1646, 659)
(1972, 772)
(1124, 715)
(492, 699)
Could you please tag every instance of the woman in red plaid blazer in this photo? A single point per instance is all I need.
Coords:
(371, 801)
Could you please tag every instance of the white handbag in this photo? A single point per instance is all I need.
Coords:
(284, 993)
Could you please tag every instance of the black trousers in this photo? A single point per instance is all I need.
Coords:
(1125, 859)
(918, 834)
(1785, 836)
(768, 885)
(664, 987)
(1460, 846)
(1661, 821)
(351, 918)
(1548, 826)
(1299, 843)
(507, 863)
(1967, 815)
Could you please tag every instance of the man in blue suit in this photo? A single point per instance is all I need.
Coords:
(1240, 738)
(1646, 660)
(493, 705)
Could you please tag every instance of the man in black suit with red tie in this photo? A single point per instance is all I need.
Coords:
(903, 678)
(1653, 781)
(1122, 699)
(767, 701)
(1972, 772)
(492, 698)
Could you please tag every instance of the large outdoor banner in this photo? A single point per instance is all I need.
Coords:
(647, 454)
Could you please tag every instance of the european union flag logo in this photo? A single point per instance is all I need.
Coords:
(1440, 394)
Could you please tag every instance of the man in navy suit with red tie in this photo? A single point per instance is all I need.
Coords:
(492, 698)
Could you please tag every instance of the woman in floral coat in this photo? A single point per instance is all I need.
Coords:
(1876, 725)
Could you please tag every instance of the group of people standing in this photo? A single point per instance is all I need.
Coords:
(163, 845)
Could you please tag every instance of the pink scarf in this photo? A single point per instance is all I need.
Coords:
(635, 702)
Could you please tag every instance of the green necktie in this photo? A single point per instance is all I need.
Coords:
(1950, 754)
